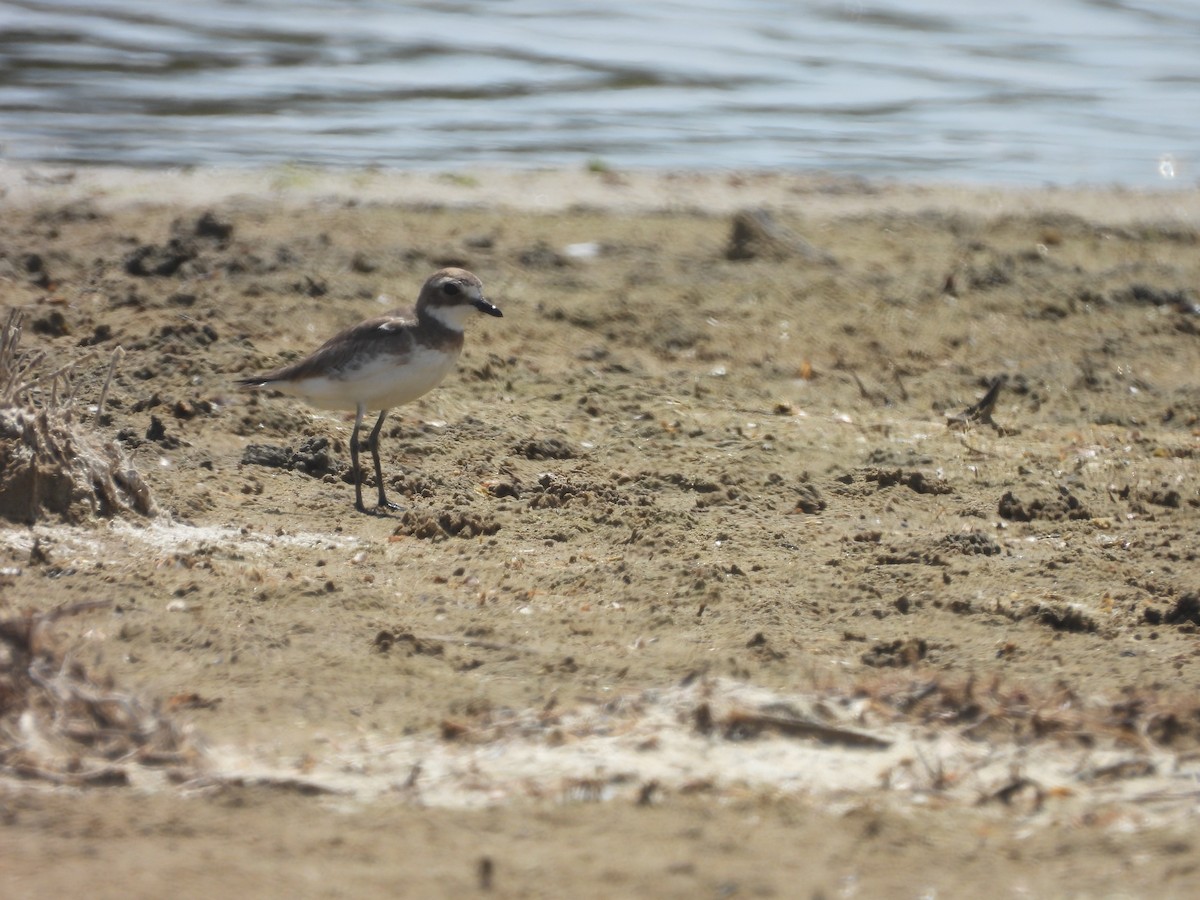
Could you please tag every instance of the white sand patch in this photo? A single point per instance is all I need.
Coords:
(631, 749)
(124, 539)
(163, 534)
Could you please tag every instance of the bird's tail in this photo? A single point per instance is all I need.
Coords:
(256, 381)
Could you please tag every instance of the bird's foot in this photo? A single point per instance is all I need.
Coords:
(386, 506)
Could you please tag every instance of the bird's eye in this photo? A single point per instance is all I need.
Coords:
(450, 289)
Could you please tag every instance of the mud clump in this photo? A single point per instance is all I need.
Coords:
(1064, 506)
(440, 526)
(165, 260)
(212, 226)
(554, 491)
(1065, 617)
(312, 456)
(809, 500)
(900, 653)
(151, 260)
(974, 543)
(408, 642)
(53, 324)
(1186, 611)
(914, 480)
(544, 448)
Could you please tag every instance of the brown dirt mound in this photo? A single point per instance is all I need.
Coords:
(49, 464)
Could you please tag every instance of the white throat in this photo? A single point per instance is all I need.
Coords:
(452, 317)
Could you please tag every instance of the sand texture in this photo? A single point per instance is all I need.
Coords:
(785, 538)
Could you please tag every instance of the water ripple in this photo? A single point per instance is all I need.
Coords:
(1031, 91)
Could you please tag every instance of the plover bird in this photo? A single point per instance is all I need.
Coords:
(386, 361)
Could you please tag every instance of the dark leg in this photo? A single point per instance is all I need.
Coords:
(373, 443)
(356, 470)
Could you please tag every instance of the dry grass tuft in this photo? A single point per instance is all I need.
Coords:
(60, 724)
(999, 712)
(49, 463)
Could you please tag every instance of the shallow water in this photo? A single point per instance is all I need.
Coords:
(1027, 92)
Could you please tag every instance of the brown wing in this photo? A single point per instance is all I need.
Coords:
(390, 333)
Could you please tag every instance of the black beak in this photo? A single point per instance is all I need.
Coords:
(483, 306)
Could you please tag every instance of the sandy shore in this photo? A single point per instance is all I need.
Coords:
(556, 191)
(719, 573)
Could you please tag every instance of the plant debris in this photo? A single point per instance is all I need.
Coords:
(50, 464)
(59, 723)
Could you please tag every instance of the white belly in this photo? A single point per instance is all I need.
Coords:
(380, 383)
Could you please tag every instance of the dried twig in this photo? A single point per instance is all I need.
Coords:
(741, 722)
(117, 356)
